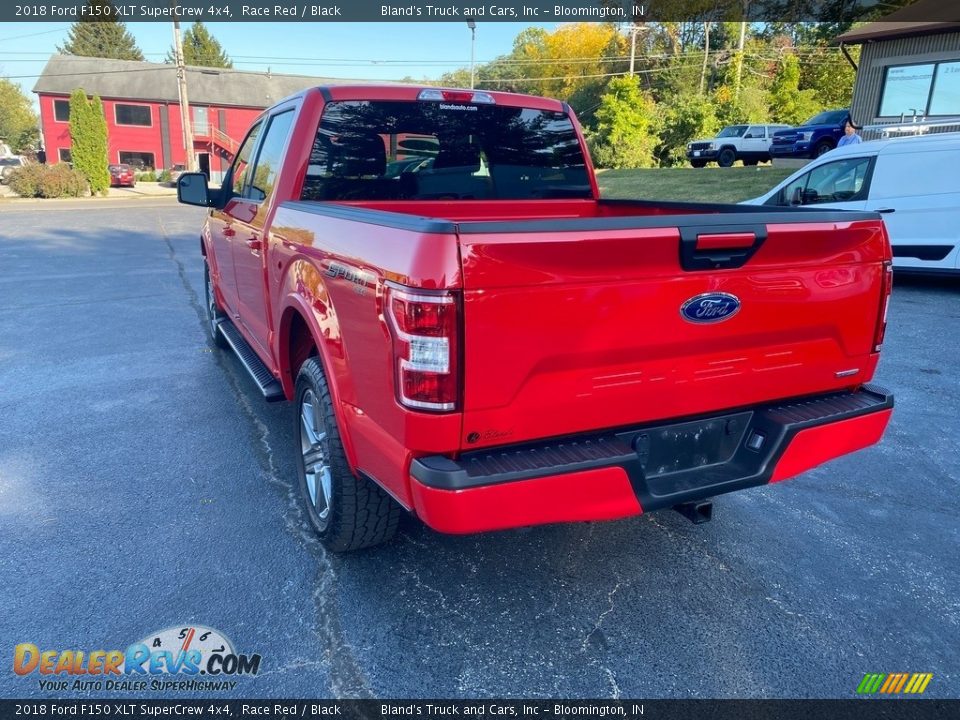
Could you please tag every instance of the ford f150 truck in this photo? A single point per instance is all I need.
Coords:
(465, 330)
(818, 135)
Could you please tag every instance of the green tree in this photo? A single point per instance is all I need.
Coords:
(18, 123)
(685, 117)
(202, 49)
(829, 75)
(625, 133)
(88, 139)
(788, 103)
(102, 35)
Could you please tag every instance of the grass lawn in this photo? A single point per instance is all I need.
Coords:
(711, 184)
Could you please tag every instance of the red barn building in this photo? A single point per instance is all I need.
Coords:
(142, 108)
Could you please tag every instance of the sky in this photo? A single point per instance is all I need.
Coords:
(374, 51)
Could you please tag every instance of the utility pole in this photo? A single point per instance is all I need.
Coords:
(471, 23)
(634, 29)
(743, 32)
(706, 55)
(191, 162)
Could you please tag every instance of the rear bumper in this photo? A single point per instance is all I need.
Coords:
(626, 472)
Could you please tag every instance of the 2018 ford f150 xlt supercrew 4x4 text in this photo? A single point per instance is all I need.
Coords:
(465, 330)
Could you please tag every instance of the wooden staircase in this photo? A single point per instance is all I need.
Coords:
(219, 140)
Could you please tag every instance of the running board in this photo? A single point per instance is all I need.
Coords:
(259, 373)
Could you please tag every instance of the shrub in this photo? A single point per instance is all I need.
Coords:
(148, 176)
(164, 177)
(48, 181)
(25, 181)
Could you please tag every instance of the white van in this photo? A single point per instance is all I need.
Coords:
(914, 181)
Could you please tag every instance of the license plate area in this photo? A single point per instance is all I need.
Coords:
(690, 454)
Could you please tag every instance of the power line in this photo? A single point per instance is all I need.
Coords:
(43, 32)
(92, 72)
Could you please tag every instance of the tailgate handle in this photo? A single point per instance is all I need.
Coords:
(725, 241)
(704, 248)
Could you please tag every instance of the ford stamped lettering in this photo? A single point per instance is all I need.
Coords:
(710, 308)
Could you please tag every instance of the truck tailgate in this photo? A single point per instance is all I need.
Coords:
(575, 326)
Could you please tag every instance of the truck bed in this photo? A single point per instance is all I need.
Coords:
(601, 341)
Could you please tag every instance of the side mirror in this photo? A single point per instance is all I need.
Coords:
(192, 189)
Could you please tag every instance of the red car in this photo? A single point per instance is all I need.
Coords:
(487, 343)
(122, 175)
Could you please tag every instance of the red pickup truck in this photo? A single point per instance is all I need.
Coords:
(468, 332)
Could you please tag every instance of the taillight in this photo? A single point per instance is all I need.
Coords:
(885, 290)
(424, 327)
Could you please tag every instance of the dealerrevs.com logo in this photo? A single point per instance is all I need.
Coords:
(190, 658)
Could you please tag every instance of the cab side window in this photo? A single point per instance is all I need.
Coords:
(238, 173)
(755, 131)
(841, 181)
(264, 175)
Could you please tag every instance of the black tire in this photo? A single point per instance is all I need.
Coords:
(355, 512)
(727, 157)
(698, 163)
(214, 313)
(822, 147)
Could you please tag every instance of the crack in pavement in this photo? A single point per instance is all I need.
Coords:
(347, 680)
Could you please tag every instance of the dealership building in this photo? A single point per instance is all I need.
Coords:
(142, 107)
(908, 75)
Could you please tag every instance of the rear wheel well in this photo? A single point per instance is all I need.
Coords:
(300, 344)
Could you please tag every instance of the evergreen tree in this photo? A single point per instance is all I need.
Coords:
(88, 139)
(104, 37)
(202, 49)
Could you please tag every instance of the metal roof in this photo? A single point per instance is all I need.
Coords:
(889, 30)
(134, 80)
(920, 17)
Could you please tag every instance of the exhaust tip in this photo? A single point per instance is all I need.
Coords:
(696, 512)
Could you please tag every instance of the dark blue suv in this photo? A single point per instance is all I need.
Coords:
(816, 136)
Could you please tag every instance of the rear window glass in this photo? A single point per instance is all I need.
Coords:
(828, 117)
(372, 150)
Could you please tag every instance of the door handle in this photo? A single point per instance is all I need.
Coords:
(254, 243)
(885, 210)
(229, 232)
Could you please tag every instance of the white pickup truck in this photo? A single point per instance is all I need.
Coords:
(749, 143)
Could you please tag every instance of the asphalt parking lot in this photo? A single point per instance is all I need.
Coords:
(144, 484)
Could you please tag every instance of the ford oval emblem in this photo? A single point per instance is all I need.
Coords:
(711, 307)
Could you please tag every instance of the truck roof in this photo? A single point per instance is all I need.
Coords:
(399, 92)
